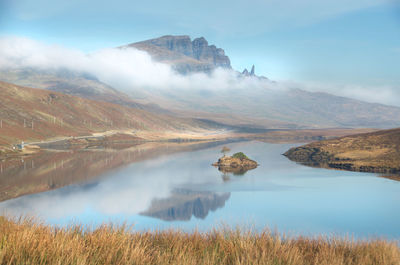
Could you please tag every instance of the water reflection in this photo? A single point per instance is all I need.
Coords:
(182, 190)
(183, 204)
(53, 169)
(154, 186)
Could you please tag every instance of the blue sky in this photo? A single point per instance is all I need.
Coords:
(338, 43)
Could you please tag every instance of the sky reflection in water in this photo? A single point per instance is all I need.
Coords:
(184, 191)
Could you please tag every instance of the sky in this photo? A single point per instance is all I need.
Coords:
(343, 47)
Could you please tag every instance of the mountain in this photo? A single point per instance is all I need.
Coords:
(266, 107)
(184, 54)
(256, 102)
(368, 152)
(259, 104)
(28, 114)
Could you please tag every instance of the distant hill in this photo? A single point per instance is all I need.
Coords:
(28, 114)
(276, 108)
(368, 152)
(72, 83)
(184, 54)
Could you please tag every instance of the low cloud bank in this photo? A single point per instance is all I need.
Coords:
(124, 69)
(384, 94)
(131, 69)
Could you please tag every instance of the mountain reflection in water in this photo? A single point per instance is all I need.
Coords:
(181, 190)
(183, 204)
(53, 169)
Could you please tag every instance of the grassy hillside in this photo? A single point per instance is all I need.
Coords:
(370, 152)
(25, 242)
(70, 83)
(28, 114)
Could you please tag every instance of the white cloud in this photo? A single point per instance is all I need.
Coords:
(124, 69)
(387, 95)
(133, 70)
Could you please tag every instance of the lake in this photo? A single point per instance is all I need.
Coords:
(174, 186)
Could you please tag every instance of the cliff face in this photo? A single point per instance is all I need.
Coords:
(184, 54)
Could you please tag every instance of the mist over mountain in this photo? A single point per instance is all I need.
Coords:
(188, 78)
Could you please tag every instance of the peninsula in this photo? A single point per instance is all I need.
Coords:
(377, 152)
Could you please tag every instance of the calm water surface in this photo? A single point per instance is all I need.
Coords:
(182, 190)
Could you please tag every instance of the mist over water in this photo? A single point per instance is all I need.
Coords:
(184, 191)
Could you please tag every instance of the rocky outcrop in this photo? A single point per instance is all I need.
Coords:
(210, 53)
(235, 164)
(252, 72)
(306, 154)
(184, 54)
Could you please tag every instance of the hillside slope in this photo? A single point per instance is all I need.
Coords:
(72, 83)
(28, 114)
(276, 108)
(368, 152)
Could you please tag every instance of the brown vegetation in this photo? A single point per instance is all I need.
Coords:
(369, 152)
(26, 242)
(28, 114)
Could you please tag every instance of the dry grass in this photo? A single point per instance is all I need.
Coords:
(25, 241)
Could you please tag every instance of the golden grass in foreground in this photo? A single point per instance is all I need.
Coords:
(27, 242)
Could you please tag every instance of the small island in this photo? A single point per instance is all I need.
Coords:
(238, 163)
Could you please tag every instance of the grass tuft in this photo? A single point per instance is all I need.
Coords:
(25, 241)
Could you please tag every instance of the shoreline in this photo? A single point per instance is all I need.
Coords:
(127, 136)
(374, 152)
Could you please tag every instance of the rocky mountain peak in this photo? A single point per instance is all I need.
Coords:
(173, 49)
(252, 73)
